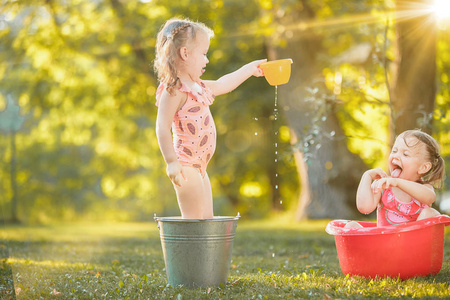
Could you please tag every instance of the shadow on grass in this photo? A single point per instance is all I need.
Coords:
(127, 261)
(7, 290)
(109, 267)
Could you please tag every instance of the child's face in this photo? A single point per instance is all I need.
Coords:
(197, 58)
(407, 162)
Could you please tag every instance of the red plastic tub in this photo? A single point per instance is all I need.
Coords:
(405, 251)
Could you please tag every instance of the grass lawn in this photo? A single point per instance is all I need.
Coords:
(271, 260)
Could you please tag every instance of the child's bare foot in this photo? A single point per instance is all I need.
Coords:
(353, 224)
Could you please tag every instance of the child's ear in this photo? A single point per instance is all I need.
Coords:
(183, 53)
(425, 167)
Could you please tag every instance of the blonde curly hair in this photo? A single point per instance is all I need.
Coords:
(174, 34)
(435, 176)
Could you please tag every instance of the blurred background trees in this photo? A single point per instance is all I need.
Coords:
(81, 74)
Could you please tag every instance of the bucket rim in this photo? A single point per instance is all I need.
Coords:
(336, 227)
(180, 220)
(278, 62)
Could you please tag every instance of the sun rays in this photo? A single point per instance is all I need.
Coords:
(429, 13)
(442, 9)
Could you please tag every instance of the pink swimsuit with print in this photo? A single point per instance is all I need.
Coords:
(194, 131)
(391, 211)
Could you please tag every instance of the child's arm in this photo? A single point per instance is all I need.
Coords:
(229, 82)
(169, 104)
(366, 199)
(424, 193)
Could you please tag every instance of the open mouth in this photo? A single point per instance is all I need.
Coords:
(396, 170)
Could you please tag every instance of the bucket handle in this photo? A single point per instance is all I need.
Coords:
(155, 218)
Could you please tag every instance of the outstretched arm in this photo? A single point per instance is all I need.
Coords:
(366, 199)
(229, 82)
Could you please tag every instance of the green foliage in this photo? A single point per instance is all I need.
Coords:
(441, 118)
(82, 76)
(270, 260)
(85, 89)
(10, 119)
(355, 75)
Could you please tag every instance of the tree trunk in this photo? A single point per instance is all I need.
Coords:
(331, 176)
(14, 216)
(414, 74)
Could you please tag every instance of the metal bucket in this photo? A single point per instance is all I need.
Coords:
(197, 252)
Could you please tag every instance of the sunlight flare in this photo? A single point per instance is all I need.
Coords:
(441, 8)
(406, 11)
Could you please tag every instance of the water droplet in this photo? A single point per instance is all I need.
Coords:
(276, 160)
(324, 119)
(276, 186)
(256, 133)
(276, 145)
(276, 152)
(332, 133)
(276, 175)
(281, 201)
(273, 254)
(276, 95)
(256, 119)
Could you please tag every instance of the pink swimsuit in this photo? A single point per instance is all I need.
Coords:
(194, 131)
(394, 212)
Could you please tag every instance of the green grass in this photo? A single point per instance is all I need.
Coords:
(271, 260)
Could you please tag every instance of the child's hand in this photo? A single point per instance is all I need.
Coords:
(257, 72)
(376, 173)
(175, 173)
(383, 183)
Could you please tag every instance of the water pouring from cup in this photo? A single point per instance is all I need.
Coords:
(277, 72)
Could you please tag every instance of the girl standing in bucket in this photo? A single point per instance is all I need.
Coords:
(415, 167)
(183, 101)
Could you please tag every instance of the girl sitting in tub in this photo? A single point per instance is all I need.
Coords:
(415, 167)
(183, 101)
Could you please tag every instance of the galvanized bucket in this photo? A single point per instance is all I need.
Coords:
(197, 252)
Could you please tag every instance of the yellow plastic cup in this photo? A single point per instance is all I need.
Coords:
(277, 72)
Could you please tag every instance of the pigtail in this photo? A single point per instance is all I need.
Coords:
(165, 60)
(169, 77)
(436, 175)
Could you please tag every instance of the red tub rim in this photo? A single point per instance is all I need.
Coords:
(336, 227)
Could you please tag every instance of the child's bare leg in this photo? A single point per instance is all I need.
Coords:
(192, 195)
(353, 224)
(208, 211)
(428, 213)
